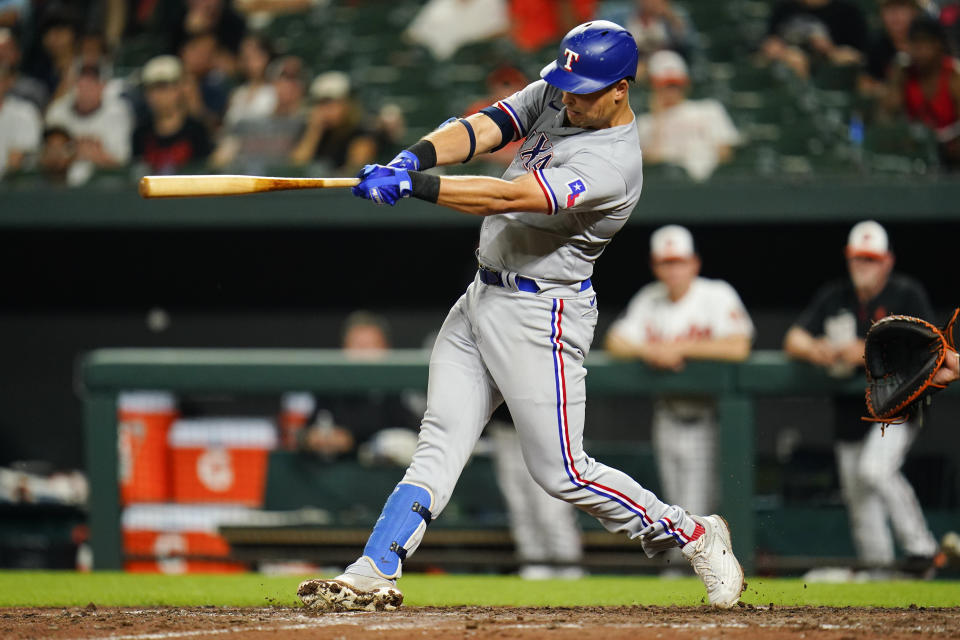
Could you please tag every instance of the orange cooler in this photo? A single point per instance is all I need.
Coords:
(144, 419)
(178, 538)
(221, 460)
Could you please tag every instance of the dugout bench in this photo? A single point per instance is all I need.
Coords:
(105, 373)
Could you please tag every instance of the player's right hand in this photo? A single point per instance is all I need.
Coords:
(405, 160)
(383, 185)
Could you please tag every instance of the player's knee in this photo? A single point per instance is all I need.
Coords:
(871, 478)
(552, 483)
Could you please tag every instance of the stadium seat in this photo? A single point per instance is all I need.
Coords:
(900, 147)
(830, 77)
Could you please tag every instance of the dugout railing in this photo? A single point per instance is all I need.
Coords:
(105, 373)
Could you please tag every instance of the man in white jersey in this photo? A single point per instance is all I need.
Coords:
(20, 125)
(523, 328)
(697, 135)
(679, 317)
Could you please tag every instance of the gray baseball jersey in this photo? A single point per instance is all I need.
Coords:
(591, 180)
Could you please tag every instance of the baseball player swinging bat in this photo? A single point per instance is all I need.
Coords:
(219, 185)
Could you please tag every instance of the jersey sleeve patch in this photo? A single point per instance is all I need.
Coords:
(576, 189)
(552, 204)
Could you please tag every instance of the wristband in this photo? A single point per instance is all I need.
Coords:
(424, 186)
(426, 154)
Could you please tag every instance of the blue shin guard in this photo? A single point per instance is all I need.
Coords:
(399, 529)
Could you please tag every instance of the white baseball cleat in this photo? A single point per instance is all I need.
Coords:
(350, 592)
(713, 561)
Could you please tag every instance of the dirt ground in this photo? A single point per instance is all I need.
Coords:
(481, 623)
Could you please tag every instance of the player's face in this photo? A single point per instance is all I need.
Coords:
(163, 97)
(88, 92)
(897, 18)
(925, 52)
(594, 110)
(253, 59)
(869, 273)
(365, 340)
(676, 274)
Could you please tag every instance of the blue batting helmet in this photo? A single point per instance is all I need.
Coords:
(593, 56)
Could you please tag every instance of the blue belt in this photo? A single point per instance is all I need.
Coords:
(489, 276)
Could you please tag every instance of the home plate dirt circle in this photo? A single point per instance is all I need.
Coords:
(582, 623)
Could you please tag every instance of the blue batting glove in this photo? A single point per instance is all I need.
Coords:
(448, 121)
(405, 160)
(383, 185)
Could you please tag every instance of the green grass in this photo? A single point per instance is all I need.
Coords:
(62, 589)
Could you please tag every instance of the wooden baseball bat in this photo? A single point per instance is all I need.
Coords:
(217, 185)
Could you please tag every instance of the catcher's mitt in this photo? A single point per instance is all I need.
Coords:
(902, 354)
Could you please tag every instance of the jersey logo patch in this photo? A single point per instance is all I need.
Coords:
(538, 155)
(576, 188)
(572, 56)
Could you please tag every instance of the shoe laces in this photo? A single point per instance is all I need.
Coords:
(701, 564)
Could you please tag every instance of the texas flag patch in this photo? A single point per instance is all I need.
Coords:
(576, 188)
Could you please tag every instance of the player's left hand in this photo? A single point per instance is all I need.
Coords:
(405, 160)
(383, 185)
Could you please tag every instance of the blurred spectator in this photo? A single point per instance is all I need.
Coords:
(169, 138)
(680, 317)
(12, 11)
(93, 51)
(182, 19)
(92, 48)
(831, 31)
(347, 421)
(100, 127)
(541, 23)
(830, 334)
(24, 86)
(697, 135)
(927, 88)
(204, 85)
(502, 82)
(889, 45)
(57, 159)
(655, 25)
(390, 127)
(948, 12)
(20, 125)
(256, 97)
(443, 26)
(253, 144)
(337, 138)
(52, 60)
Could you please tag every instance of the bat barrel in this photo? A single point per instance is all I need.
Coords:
(223, 185)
